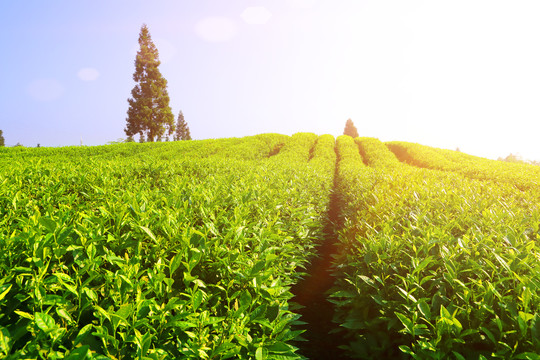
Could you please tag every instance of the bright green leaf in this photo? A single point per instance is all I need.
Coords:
(45, 322)
(424, 309)
(261, 353)
(63, 313)
(24, 314)
(175, 263)
(4, 293)
(48, 223)
(79, 353)
(148, 232)
(197, 299)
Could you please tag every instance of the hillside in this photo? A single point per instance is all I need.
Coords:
(242, 247)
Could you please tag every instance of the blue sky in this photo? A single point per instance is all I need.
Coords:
(442, 73)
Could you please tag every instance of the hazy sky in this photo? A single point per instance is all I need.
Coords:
(442, 73)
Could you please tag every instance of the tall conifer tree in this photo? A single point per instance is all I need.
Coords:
(2, 143)
(350, 129)
(182, 129)
(149, 113)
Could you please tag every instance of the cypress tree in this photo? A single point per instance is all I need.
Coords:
(149, 112)
(2, 143)
(350, 129)
(182, 129)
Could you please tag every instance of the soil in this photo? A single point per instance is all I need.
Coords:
(311, 293)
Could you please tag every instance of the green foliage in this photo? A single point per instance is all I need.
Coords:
(298, 149)
(435, 265)
(149, 113)
(248, 148)
(350, 129)
(175, 250)
(350, 164)
(523, 176)
(182, 129)
(187, 250)
(323, 154)
(376, 154)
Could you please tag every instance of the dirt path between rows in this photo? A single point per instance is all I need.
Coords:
(311, 293)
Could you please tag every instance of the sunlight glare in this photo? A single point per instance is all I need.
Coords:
(256, 15)
(302, 4)
(216, 29)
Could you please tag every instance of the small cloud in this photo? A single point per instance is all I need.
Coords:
(216, 29)
(46, 89)
(256, 15)
(88, 74)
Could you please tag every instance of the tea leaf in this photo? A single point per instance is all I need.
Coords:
(24, 314)
(48, 224)
(63, 313)
(82, 352)
(261, 353)
(424, 309)
(45, 322)
(5, 292)
(175, 263)
(197, 299)
(148, 232)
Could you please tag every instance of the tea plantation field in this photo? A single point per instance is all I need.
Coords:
(189, 250)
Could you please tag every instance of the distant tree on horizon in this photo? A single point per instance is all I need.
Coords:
(182, 128)
(149, 113)
(515, 158)
(512, 158)
(2, 141)
(350, 129)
